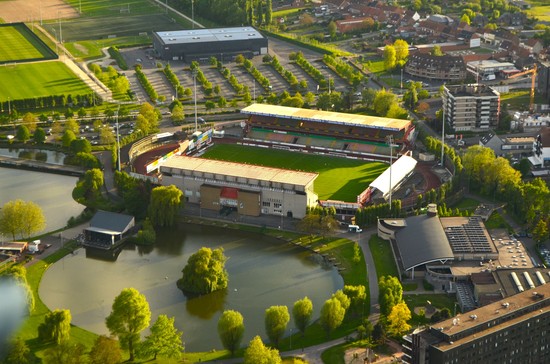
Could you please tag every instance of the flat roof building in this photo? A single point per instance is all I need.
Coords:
(201, 44)
(443, 67)
(251, 190)
(471, 107)
(512, 330)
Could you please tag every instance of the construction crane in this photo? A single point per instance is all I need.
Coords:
(533, 73)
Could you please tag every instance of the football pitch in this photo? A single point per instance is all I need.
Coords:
(339, 178)
(30, 80)
(17, 44)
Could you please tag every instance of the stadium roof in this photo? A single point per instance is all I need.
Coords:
(399, 170)
(326, 116)
(421, 239)
(208, 35)
(240, 170)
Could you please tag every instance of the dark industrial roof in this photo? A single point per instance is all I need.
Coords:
(423, 240)
(111, 221)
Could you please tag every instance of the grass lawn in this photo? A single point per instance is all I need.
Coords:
(519, 100)
(540, 9)
(383, 257)
(91, 49)
(496, 221)
(94, 8)
(439, 301)
(376, 67)
(466, 204)
(39, 79)
(287, 12)
(339, 178)
(15, 46)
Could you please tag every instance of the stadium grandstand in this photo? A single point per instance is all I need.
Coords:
(336, 133)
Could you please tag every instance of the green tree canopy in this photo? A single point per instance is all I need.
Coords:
(56, 327)
(67, 138)
(332, 315)
(165, 204)
(23, 134)
(130, 315)
(164, 340)
(358, 296)
(391, 293)
(401, 51)
(205, 272)
(20, 218)
(344, 300)
(276, 320)
(383, 102)
(390, 58)
(39, 136)
(81, 145)
(302, 311)
(18, 353)
(257, 352)
(231, 330)
(65, 353)
(29, 120)
(105, 351)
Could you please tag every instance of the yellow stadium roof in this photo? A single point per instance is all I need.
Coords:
(326, 116)
(240, 170)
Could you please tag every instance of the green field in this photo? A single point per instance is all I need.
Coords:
(339, 178)
(18, 44)
(540, 9)
(39, 79)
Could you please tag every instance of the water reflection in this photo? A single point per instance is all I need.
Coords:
(42, 155)
(262, 272)
(13, 309)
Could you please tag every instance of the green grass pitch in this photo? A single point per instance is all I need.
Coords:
(39, 79)
(339, 178)
(15, 46)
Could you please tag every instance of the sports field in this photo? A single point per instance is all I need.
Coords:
(19, 44)
(339, 178)
(39, 79)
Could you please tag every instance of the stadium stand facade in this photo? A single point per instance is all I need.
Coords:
(332, 132)
(250, 190)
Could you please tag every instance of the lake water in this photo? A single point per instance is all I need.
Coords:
(52, 192)
(47, 156)
(262, 272)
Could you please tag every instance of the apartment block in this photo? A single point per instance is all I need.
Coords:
(471, 107)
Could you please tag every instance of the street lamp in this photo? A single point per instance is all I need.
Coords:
(193, 14)
(195, 71)
(389, 140)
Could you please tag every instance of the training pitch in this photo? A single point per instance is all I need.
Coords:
(20, 44)
(339, 178)
(30, 80)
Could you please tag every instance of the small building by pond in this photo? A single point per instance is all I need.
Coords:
(107, 228)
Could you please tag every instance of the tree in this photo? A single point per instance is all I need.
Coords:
(65, 353)
(178, 114)
(436, 51)
(164, 340)
(72, 125)
(39, 136)
(19, 352)
(332, 315)
(401, 51)
(540, 232)
(341, 296)
(390, 58)
(397, 320)
(358, 296)
(20, 218)
(222, 102)
(105, 351)
(332, 29)
(276, 320)
(383, 101)
(204, 272)
(23, 134)
(231, 330)
(67, 138)
(268, 12)
(130, 315)
(81, 146)
(391, 293)
(302, 312)
(56, 327)
(29, 120)
(465, 19)
(165, 204)
(88, 189)
(306, 19)
(257, 352)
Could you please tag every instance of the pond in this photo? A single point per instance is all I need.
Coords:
(52, 192)
(262, 272)
(41, 155)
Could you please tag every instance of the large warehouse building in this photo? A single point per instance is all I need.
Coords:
(248, 189)
(201, 44)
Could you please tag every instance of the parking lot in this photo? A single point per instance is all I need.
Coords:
(278, 84)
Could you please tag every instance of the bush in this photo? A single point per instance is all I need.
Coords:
(115, 54)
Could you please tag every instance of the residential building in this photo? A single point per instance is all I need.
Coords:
(541, 148)
(436, 67)
(515, 329)
(471, 107)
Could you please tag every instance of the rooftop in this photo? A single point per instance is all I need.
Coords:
(326, 116)
(110, 221)
(240, 170)
(209, 35)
